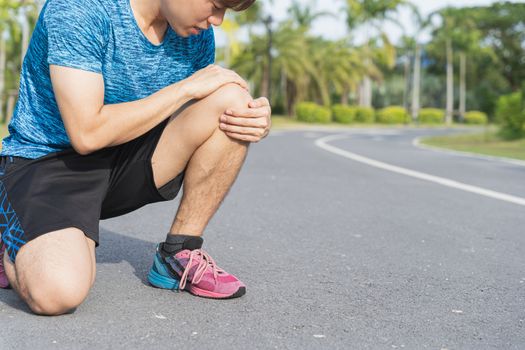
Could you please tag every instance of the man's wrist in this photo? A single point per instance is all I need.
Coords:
(181, 89)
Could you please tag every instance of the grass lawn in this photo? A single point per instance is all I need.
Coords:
(486, 143)
(283, 122)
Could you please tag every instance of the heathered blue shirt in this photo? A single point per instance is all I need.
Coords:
(99, 36)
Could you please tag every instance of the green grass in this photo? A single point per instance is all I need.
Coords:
(487, 143)
(284, 122)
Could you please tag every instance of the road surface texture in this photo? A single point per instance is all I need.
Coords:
(337, 253)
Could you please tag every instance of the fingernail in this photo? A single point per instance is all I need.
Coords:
(223, 118)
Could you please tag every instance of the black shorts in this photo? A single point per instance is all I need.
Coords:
(66, 189)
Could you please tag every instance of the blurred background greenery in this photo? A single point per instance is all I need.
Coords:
(459, 65)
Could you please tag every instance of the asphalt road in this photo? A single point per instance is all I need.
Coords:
(336, 253)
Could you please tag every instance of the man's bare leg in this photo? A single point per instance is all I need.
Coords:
(213, 158)
(210, 174)
(213, 161)
(54, 272)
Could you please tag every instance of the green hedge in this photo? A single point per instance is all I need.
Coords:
(344, 114)
(365, 114)
(431, 116)
(476, 117)
(310, 112)
(511, 115)
(393, 115)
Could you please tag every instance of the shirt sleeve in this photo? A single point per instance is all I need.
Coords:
(206, 52)
(77, 32)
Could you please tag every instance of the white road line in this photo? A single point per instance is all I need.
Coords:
(417, 143)
(323, 143)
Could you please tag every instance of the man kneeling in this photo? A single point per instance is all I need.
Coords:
(119, 106)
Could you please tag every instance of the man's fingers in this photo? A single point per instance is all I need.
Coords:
(258, 132)
(260, 102)
(260, 122)
(244, 112)
(258, 112)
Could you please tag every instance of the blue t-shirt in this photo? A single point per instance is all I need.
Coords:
(99, 36)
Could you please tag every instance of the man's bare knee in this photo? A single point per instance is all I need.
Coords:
(55, 271)
(231, 96)
(57, 298)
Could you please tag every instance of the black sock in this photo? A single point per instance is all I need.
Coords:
(176, 243)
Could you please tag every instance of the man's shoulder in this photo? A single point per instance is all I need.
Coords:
(75, 8)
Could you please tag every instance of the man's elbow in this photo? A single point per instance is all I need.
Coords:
(84, 144)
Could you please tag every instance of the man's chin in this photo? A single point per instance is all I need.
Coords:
(182, 32)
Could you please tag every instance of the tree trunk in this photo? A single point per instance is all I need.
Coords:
(462, 85)
(367, 92)
(265, 84)
(25, 38)
(268, 77)
(367, 82)
(416, 84)
(291, 94)
(2, 76)
(284, 92)
(407, 82)
(344, 96)
(450, 83)
(11, 100)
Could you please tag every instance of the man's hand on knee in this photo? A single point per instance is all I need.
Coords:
(250, 124)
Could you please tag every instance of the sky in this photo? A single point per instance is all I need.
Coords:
(332, 28)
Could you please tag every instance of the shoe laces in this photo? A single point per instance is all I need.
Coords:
(205, 261)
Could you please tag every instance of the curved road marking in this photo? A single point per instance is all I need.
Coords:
(323, 143)
(417, 143)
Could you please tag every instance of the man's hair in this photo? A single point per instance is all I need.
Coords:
(237, 5)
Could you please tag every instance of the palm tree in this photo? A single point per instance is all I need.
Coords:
(17, 19)
(373, 14)
(290, 49)
(304, 15)
(340, 68)
(455, 32)
(421, 25)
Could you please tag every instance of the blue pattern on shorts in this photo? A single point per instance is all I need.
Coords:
(12, 232)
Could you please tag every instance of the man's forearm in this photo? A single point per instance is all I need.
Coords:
(123, 122)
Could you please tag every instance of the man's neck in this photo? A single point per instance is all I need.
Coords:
(148, 16)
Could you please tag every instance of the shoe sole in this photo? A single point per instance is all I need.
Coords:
(210, 295)
(159, 281)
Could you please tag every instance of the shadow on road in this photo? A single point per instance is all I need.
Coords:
(115, 248)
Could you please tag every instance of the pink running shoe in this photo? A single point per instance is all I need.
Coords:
(4, 283)
(196, 272)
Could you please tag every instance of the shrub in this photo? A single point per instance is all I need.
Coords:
(511, 116)
(431, 116)
(364, 114)
(344, 114)
(392, 115)
(475, 117)
(313, 113)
